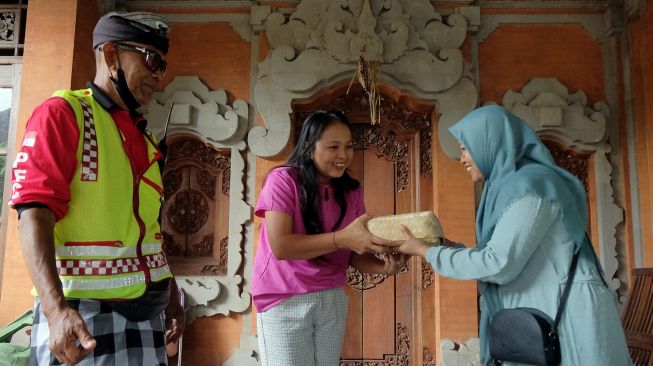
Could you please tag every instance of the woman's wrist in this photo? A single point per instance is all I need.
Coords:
(333, 240)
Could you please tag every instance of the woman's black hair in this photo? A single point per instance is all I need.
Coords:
(301, 158)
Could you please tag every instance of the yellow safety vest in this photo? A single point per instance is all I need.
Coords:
(108, 246)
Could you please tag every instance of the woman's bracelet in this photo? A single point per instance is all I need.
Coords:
(333, 240)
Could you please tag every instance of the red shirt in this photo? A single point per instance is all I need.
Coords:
(47, 160)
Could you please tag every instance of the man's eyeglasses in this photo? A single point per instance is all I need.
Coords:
(153, 60)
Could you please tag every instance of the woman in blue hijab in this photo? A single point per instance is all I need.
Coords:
(531, 220)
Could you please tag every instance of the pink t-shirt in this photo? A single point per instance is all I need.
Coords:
(276, 280)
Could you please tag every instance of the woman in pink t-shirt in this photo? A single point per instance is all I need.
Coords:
(313, 230)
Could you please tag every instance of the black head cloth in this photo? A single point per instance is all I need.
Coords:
(142, 27)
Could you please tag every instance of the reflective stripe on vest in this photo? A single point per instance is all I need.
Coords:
(110, 212)
(101, 267)
(90, 251)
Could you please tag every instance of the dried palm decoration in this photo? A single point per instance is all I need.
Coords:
(368, 76)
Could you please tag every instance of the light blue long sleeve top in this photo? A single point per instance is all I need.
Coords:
(525, 264)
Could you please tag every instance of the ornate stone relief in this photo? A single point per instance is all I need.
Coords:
(567, 119)
(318, 45)
(196, 112)
(547, 105)
(400, 358)
(592, 23)
(634, 8)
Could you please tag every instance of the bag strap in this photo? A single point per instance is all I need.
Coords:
(596, 261)
(565, 294)
(18, 324)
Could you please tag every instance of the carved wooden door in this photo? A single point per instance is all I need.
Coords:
(379, 319)
(195, 217)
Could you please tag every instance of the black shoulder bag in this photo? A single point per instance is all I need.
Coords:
(527, 335)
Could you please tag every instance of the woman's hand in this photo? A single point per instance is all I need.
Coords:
(356, 237)
(412, 245)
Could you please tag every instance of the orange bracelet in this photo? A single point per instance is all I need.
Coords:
(333, 240)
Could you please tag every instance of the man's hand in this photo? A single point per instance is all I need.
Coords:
(175, 316)
(70, 340)
(393, 263)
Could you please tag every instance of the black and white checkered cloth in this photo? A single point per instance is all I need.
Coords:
(120, 342)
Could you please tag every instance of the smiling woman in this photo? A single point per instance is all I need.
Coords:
(313, 219)
(468, 162)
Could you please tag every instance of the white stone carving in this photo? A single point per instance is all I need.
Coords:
(592, 23)
(552, 112)
(547, 105)
(319, 44)
(196, 111)
(460, 354)
(634, 8)
(615, 18)
(238, 22)
(246, 355)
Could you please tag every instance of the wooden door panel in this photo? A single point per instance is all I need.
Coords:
(379, 320)
(352, 347)
(374, 317)
(378, 302)
(195, 221)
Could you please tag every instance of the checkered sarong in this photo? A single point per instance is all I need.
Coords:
(120, 342)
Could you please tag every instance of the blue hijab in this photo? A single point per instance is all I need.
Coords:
(514, 163)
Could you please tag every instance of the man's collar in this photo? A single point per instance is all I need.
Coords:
(106, 102)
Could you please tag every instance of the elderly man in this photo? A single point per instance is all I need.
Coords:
(88, 192)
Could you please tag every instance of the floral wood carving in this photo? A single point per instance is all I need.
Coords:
(363, 281)
(221, 269)
(574, 162)
(414, 121)
(428, 358)
(386, 144)
(206, 182)
(391, 112)
(204, 248)
(172, 248)
(224, 251)
(188, 211)
(194, 150)
(428, 275)
(400, 358)
(172, 182)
